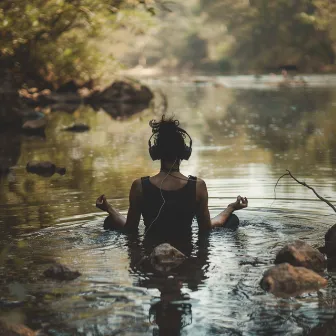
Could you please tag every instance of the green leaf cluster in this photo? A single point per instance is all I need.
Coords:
(55, 40)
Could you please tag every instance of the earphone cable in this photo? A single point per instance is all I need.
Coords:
(164, 201)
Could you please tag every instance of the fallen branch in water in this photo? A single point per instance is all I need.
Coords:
(305, 185)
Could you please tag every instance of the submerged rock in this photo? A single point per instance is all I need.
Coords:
(285, 280)
(299, 253)
(166, 257)
(61, 272)
(44, 168)
(9, 329)
(77, 127)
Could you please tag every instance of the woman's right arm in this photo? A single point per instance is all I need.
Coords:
(117, 221)
(203, 214)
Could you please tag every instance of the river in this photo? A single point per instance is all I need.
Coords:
(244, 139)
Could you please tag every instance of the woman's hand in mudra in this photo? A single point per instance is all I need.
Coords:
(102, 203)
(240, 203)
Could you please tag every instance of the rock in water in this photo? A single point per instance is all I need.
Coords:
(34, 126)
(77, 127)
(70, 86)
(299, 253)
(8, 329)
(124, 92)
(285, 280)
(61, 272)
(166, 257)
(330, 242)
(44, 168)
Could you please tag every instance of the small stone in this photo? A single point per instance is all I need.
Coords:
(299, 253)
(77, 127)
(34, 126)
(61, 272)
(166, 257)
(285, 280)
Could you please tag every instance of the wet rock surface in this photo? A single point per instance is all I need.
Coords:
(285, 280)
(166, 257)
(9, 329)
(299, 253)
(61, 272)
(44, 168)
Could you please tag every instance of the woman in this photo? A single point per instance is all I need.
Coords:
(168, 201)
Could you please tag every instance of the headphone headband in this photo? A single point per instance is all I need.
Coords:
(154, 152)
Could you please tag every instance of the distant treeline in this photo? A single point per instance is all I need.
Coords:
(243, 36)
(48, 42)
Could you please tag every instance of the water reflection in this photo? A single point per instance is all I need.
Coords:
(243, 141)
(10, 150)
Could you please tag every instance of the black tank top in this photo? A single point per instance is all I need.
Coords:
(176, 215)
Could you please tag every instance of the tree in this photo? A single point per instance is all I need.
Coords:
(268, 33)
(51, 40)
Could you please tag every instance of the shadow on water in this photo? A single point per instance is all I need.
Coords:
(10, 150)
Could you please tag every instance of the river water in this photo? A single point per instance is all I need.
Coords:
(244, 139)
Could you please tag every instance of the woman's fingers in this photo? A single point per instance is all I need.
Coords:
(101, 202)
(242, 201)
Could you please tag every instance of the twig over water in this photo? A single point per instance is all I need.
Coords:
(305, 185)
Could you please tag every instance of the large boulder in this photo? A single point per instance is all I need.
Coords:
(166, 257)
(285, 280)
(44, 168)
(299, 253)
(123, 92)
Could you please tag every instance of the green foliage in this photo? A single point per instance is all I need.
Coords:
(269, 33)
(53, 39)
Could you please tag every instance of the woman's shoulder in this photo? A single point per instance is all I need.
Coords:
(137, 186)
(200, 182)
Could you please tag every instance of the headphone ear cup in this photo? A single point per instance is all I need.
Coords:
(187, 153)
(154, 153)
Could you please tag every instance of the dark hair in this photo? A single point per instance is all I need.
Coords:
(169, 141)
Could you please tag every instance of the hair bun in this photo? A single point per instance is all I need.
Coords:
(164, 126)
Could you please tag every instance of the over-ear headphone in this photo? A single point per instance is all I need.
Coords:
(154, 150)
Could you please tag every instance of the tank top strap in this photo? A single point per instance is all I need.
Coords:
(192, 185)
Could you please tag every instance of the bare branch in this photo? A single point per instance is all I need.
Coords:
(276, 186)
(305, 185)
(311, 188)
